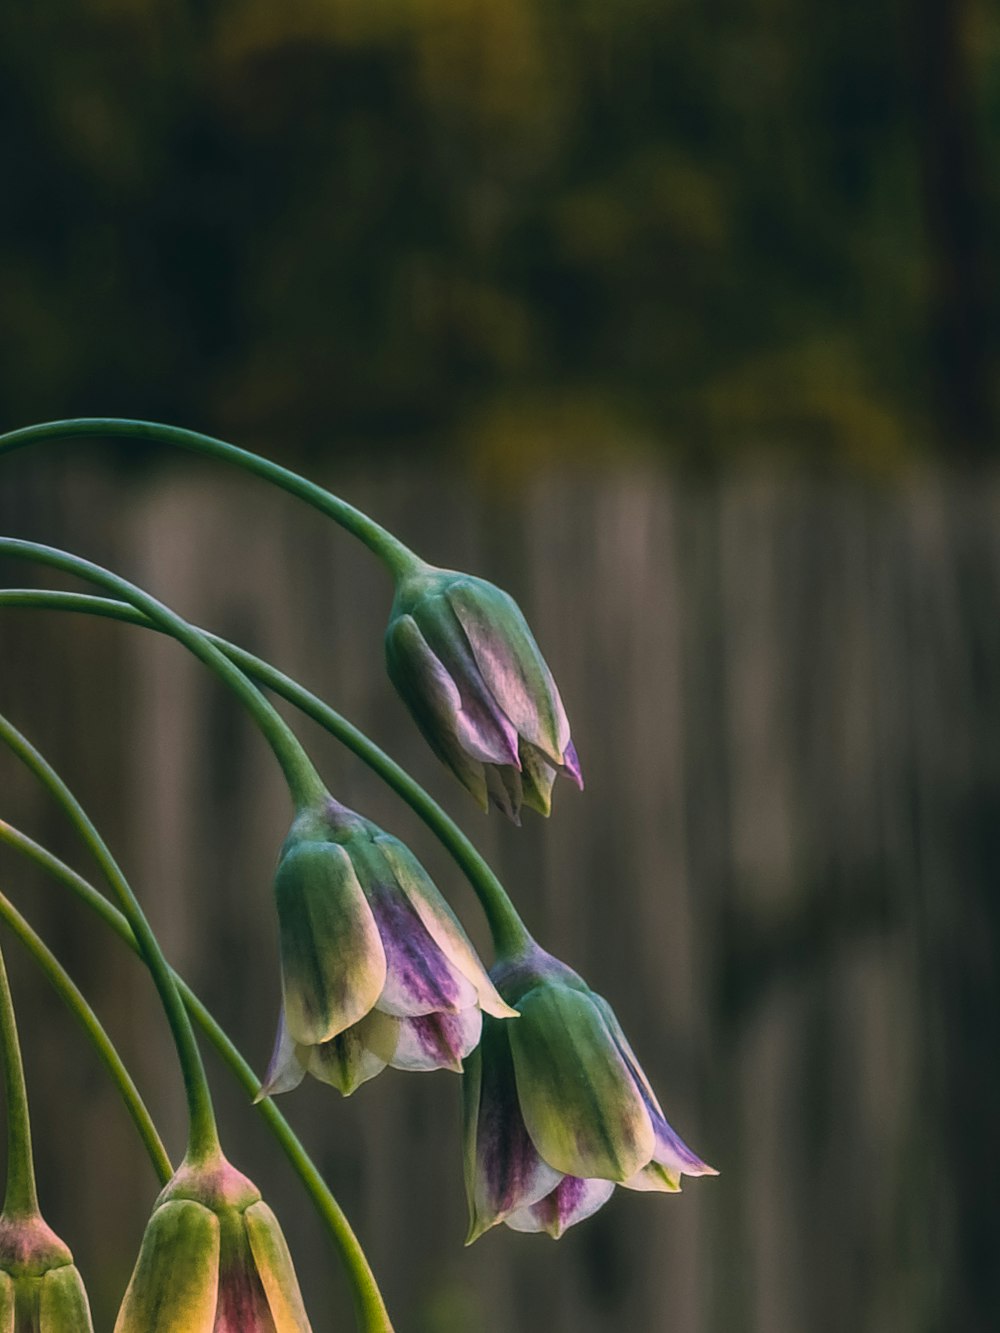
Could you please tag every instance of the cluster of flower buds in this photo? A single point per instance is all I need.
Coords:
(377, 970)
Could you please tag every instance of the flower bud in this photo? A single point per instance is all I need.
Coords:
(376, 969)
(41, 1290)
(557, 1108)
(464, 661)
(213, 1260)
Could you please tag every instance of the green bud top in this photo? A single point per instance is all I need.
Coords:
(41, 1290)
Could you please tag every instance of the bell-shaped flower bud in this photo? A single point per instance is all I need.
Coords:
(376, 969)
(461, 655)
(41, 1290)
(213, 1260)
(557, 1108)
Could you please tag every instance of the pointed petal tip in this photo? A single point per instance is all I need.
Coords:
(571, 765)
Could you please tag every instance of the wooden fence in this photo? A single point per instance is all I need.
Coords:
(783, 873)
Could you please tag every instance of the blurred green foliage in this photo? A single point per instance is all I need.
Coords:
(515, 227)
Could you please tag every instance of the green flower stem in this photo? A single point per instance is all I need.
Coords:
(70, 993)
(304, 782)
(21, 1199)
(509, 933)
(372, 1316)
(203, 1136)
(399, 558)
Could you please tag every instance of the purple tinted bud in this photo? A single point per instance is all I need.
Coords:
(557, 1108)
(465, 663)
(376, 968)
(213, 1260)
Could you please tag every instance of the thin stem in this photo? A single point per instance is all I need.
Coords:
(70, 993)
(203, 1136)
(304, 782)
(370, 1308)
(21, 1199)
(509, 933)
(399, 558)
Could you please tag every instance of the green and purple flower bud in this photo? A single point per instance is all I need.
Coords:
(465, 663)
(213, 1260)
(557, 1108)
(41, 1290)
(376, 969)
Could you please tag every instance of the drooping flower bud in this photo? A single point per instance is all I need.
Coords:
(557, 1108)
(213, 1260)
(461, 655)
(41, 1290)
(376, 969)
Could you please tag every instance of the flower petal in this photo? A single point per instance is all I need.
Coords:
(441, 923)
(504, 786)
(654, 1177)
(483, 726)
(570, 1202)
(6, 1303)
(62, 1301)
(243, 1305)
(274, 1266)
(503, 1170)
(433, 699)
(420, 978)
(580, 1103)
(511, 664)
(354, 1056)
(537, 777)
(285, 1070)
(174, 1286)
(571, 765)
(332, 961)
(671, 1151)
(437, 1041)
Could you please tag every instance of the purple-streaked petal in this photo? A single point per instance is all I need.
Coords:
(243, 1306)
(674, 1154)
(511, 665)
(441, 923)
(420, 978)
(437, 1041)
(503, 1170)
(484, 727)
(570, 1202)
(285, 1070)
(433, 698)
(355, 1056)
(571, 765)
(670, 1150)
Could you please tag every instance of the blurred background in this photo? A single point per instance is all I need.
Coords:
(680, 321)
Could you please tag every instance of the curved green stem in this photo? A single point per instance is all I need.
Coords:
(506, 927)
(370, 1307)
(203, 1136)
(304, 782)
(21, 1198)
(399, 558)
(70, 993)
